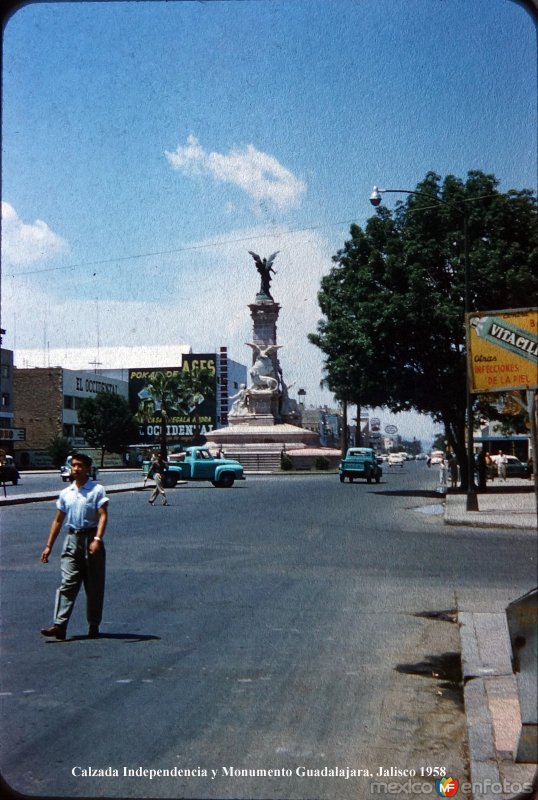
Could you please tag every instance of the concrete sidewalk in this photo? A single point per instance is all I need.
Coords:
(510, 504)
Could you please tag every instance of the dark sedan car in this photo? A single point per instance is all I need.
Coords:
(514, 467)
(9, 472)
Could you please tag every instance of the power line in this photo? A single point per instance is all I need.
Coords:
(172, 252)
(205, 246)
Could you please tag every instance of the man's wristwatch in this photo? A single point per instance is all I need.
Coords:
(97, 539)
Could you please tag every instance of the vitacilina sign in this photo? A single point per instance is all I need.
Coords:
(503, 350)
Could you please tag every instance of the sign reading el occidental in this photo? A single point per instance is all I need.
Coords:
(503, 350)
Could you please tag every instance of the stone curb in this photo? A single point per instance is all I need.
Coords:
(491, 701)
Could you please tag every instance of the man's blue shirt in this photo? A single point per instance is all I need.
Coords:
(81, 505)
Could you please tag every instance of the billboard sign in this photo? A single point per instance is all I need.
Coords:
(503, 350)
(184, 426)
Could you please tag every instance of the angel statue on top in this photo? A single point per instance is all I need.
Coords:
(265, 267)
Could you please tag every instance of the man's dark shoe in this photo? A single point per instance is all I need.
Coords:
(54, 632)
(93, 632)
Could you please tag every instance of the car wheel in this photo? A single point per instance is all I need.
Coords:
(351, 479)
(226, 480)
(169, 481)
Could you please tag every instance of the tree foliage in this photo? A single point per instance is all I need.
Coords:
(393, 330)
(58, 449)
(107, 422)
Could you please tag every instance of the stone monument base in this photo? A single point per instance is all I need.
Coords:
(259, 447)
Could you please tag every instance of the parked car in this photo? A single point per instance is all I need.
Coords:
(360, 462)
(8, 471)
(396, 459)
(198, 464)
(436, 457)
(514, 468)
(65, 471)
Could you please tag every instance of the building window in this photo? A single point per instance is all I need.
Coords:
(69, 402)
(5, 400)
(68, 431)
(5, 370)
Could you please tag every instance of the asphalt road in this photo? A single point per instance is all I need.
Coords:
(284, 624)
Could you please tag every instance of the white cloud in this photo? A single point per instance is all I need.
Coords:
(24, 243)
(258, 174)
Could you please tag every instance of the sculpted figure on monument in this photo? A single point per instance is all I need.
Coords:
(240, 406)
(262, 372)
(288, 406)
(265, 267)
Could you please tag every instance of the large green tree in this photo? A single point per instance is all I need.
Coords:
(169, 393)
(393, 330)
(107, 422)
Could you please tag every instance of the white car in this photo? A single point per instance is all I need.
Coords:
(396, 459)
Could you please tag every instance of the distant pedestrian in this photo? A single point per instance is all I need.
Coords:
(443, 477)
(84, 507)
(152, 460)
(482, 471)
(502, 463)
(156, 471)
(453, 469)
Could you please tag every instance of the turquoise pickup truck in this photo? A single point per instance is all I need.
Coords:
(197, 464)
(360, 462)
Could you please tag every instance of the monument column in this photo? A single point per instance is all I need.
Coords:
(264, 314)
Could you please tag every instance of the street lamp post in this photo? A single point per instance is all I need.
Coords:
(375, 200)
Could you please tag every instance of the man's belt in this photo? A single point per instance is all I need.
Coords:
(82, 530)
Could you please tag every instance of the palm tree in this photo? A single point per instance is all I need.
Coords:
(201, 383)
(164, 394)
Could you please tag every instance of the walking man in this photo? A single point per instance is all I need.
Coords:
(156, 471)
(84, 508)
(503, 464)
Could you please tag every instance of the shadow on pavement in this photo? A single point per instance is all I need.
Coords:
(127, 637)
(445, 668)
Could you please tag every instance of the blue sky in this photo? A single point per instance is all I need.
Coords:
(148, 146)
